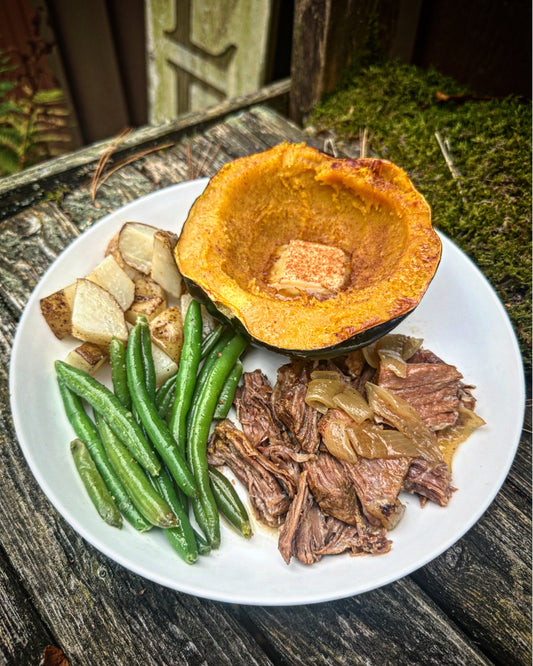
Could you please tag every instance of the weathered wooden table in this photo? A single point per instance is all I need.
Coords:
(469, 606)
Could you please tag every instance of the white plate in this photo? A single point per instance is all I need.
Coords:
(460, 319)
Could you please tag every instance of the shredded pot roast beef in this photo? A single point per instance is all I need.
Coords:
(432, 387)
(328, 504)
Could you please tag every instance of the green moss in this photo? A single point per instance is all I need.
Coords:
(486, 208)
(57, 195)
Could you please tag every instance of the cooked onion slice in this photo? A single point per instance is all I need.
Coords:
(353, 403)
(398, 413)
(391, 352)
(371, 441)
(450, 438)
(320, 393)
(336, 439)
(371, 355)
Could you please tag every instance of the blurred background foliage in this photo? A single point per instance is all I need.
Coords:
(33, 120)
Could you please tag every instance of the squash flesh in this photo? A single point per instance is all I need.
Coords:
(367, 208)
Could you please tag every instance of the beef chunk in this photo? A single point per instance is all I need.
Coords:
(229, 446)
(287, 461)
(297, 514)
(378, 483)
(358, 539)
(263, 429)
(308, 534)
(253, 402)
(332, 488)
(288, 399)
(431, 480)
(432, 387)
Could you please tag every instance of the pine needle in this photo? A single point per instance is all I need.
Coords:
(330, 146)
(204, 165)
(129, 160)
(449, 163)
(104, 158)
(363, 141)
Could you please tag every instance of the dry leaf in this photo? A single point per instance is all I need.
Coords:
(53, 656)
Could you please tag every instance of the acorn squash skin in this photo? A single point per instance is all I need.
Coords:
(366, 207)
(340, 349)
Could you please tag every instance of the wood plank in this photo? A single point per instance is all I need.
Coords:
(272, 128)
(29, 242)
(203, 156)
(91, 51)
(26, 188)
(24, 636)
(164, 168)
(520, 476)
(122, 187)
(327, 36)
(483, 582)
(396, 624)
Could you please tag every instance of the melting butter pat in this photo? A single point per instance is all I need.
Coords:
(314, 268)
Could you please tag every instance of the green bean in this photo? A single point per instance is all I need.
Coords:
(210, 360)
(164, 396)
(181, 537)
(229, 503)
(86, 431)
(149, 502)
(188, 367)
(121, 421)
(147, 359)
(156, 428)
(227, 393)
(94, 484)
(205, 371)
(117, 357)
(211, 339)
(202, 544)
(199, 433)
(205, 517)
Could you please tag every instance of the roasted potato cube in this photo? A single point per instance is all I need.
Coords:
(163, 364)
(208, 321)
(166, 331)
(109, 275)
(112, 249)
(87, 357)
(96, 315)
(149, 299)
(135, 244)
(57, 310)
(164, 268)
(185, 301)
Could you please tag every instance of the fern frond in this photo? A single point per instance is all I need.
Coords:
(46, 121)
(51, 96)
(51, 138)
(9, 162)
(6, 87)
(10, 138)
(15, 121)
(56, 111)
(8, 106)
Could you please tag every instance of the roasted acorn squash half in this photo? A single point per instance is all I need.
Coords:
(311, 255)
